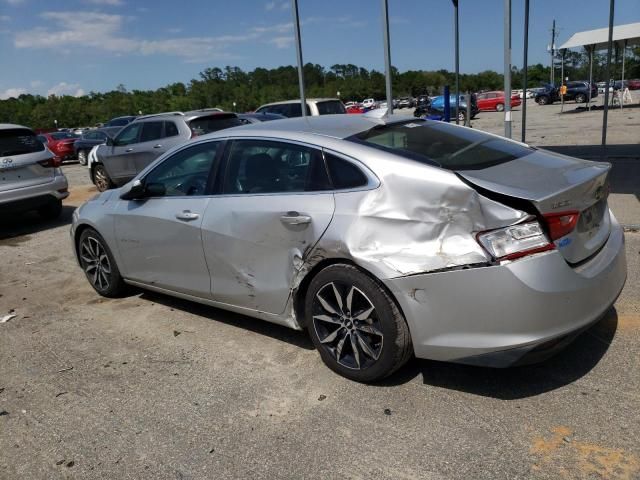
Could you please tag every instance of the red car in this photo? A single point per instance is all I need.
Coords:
(634, 84)
(354, 109)
(494, 101)
(60, 143)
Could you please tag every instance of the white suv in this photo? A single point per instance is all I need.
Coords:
(30, 174)
(315, 106)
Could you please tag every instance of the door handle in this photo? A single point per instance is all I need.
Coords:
(294, 218)
(129, 150)
(157, 146)
(187, 215)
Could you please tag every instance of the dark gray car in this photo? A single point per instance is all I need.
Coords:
(148, 137)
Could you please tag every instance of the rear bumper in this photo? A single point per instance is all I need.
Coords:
(499, 315)
(34, 196)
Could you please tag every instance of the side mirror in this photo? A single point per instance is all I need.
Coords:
(137, 190)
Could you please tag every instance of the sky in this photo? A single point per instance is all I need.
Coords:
(72, 47)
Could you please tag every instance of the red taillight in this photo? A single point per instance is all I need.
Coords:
(561, 224)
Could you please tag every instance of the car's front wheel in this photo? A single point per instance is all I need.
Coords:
(581, 98)
(355, 324)
(82, 157)
(500, 107)
(543, 100)
(101, 178)
(99, 265)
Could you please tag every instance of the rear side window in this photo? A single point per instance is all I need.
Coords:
(151, 131)
(344, 174)
(447, 146)
(213, 123)
(18, 141)
(330, 107)
(263, 166)
(170, 129)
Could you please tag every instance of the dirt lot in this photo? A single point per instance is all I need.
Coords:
(152, 387)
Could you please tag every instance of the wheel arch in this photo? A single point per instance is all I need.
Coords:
(300, 293)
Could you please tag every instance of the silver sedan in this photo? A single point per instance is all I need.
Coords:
(383, 238)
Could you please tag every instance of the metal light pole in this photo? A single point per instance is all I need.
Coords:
(457, 55)
(507, 68)
(387, 54)
(525, 61)
(607, 77)
(591, 48)
(296, 28)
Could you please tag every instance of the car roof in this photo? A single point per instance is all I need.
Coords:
(336, 126)
(10, 126)
(186, 116)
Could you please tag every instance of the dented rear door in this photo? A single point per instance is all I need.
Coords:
(266, 221)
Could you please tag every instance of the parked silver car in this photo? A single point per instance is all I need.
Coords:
(315, 107)
(30, 174)
(382, 237)
(147, 137)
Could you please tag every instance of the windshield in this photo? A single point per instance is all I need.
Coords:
(438, 143)
(18, 141)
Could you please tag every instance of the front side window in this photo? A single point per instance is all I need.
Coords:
(262, 166)
(129, 135)
(151, 131)
(185, 173)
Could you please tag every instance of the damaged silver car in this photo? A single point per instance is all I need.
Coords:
(383, 238)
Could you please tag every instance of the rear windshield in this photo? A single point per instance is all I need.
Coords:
(62, 135)
(119, 122)
(441, 144)
(18, 141)
(213, 123)
(330, 107)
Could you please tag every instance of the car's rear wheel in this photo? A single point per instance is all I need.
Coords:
(51, 210)
(101, 178)
(99, 265)
(500, 107)
(581, 98)
(82, 157)
(355, 324)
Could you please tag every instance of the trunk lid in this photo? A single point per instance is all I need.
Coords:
(555, 184)
(20, 152)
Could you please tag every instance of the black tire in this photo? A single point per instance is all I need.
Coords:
(543, 100)
(500, 107)
(99, 266)
(82, 157)
(51, 210)
(581, 98)
(363, 349)
(101, 178)
(462, 115)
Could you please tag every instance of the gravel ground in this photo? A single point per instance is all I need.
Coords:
(153, 387)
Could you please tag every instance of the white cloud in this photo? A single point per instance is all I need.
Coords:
(64, 88)
(174, 30)
(113, 3)
(282, 42)
(36, 83)
(270, 6)
(5, 18)
(12, 92)
(280, 5)
(15, 2)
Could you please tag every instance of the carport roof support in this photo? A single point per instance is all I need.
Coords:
(600, 37)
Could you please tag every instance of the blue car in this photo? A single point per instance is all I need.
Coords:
(437, 106)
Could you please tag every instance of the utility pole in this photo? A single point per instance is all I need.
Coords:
(457, 54)
(296, 28)
(387, 54)
(525, 62)
(507, 68)
(552, 49)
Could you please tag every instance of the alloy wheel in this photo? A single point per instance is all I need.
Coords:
(100, 178)
(95, 263)
(347, 325)
(82, 157)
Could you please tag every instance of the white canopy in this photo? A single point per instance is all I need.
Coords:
(600, 37)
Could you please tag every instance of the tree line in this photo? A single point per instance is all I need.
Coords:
(234, 89)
